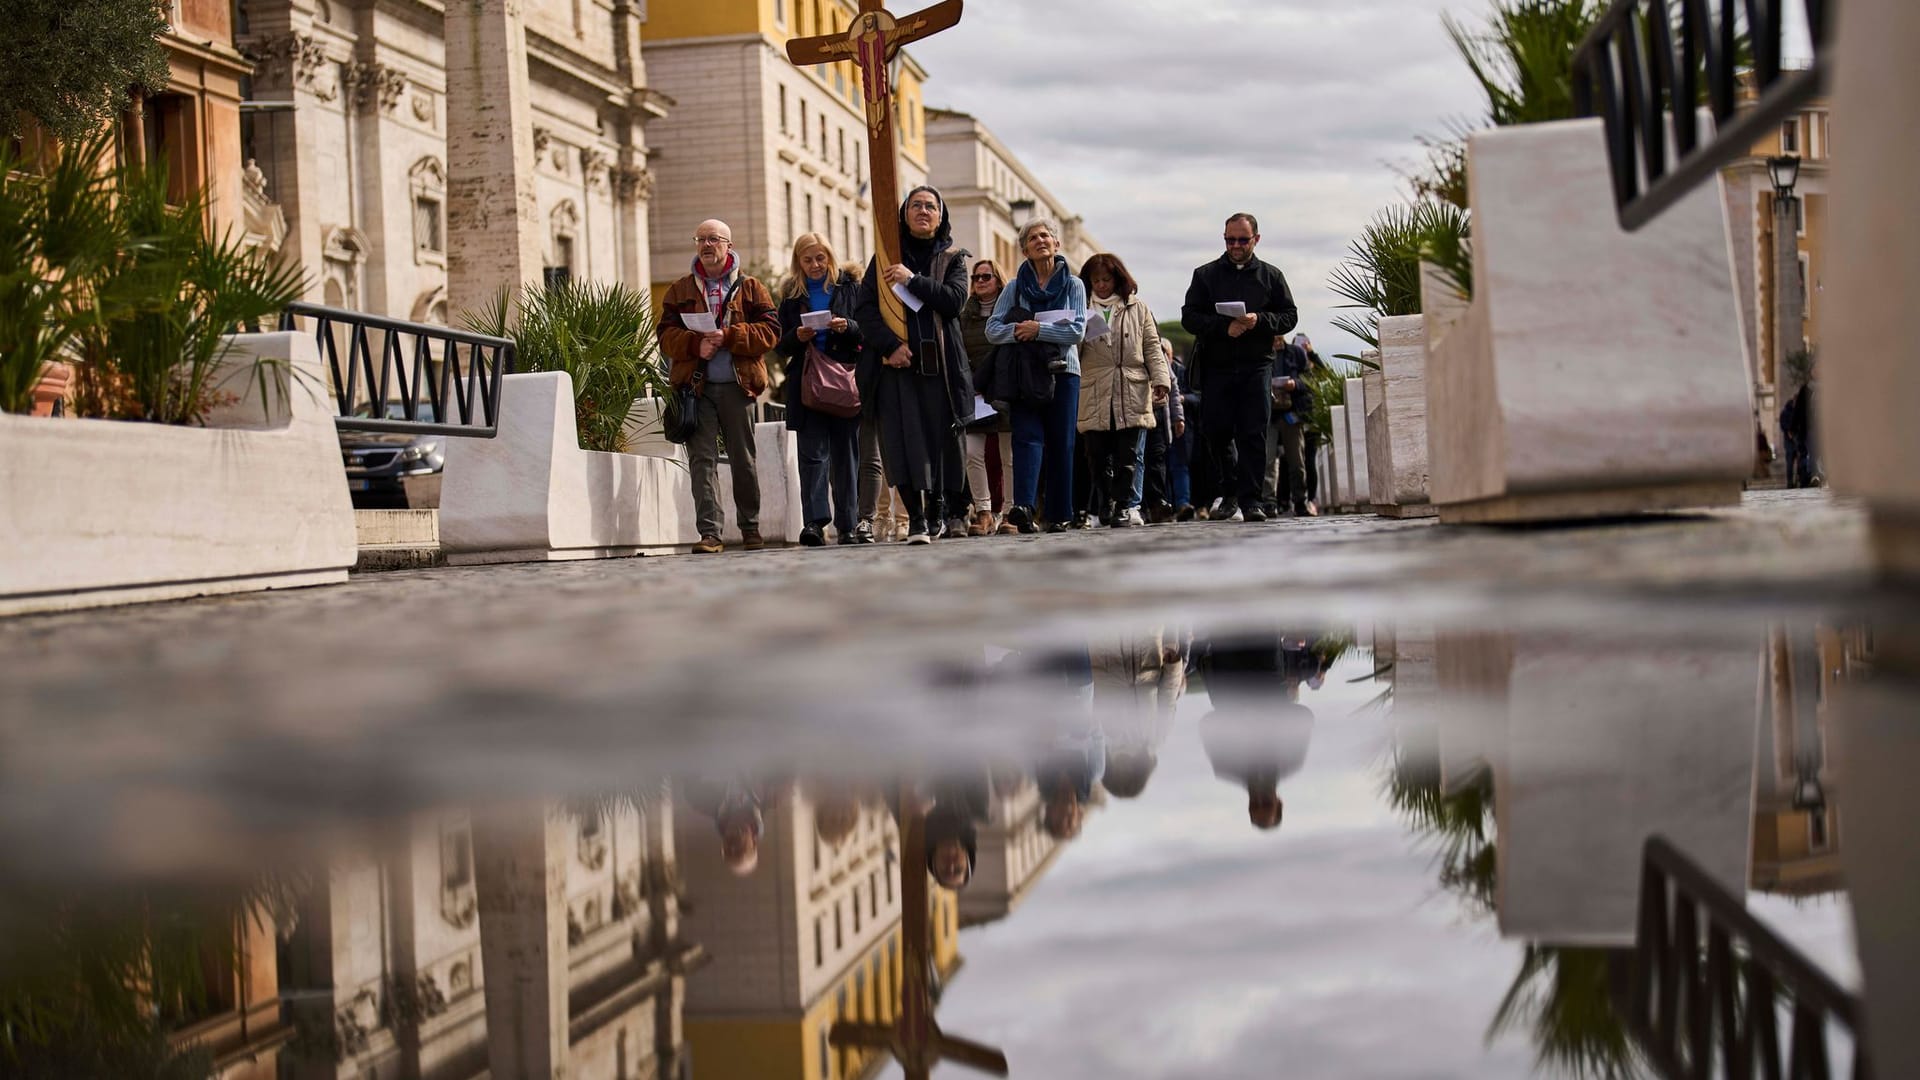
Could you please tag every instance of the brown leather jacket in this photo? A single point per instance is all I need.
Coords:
(752, 330)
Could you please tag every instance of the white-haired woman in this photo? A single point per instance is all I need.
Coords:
(1043, 434)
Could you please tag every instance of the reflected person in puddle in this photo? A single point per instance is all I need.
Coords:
(1136, 685)
(1258, 732)
(959, 806)
(736, 810)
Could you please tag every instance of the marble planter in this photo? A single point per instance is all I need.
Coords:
(99, 512)
(1866, 392)
(1395, 402)
(1359, 473)
(1596, 372)
(530, 494)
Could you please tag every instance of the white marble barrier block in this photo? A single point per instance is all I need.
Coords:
(1599, 743)
(1866, 391)
(1323, 471)
(99, 512)
(1596, 372)
(1359, 479)
(1331, 465)
(1342, 464)
(1395, 400)
(530, 494)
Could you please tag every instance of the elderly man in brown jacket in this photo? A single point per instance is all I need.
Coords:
(727, 366)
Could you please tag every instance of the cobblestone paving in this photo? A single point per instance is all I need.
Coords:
(412, 685)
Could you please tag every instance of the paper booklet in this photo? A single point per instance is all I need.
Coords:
(700, 322)
(1096, 326)
(906, 297)
(1054, 316)
(981, 410)
(1232, 309)
(816, 320)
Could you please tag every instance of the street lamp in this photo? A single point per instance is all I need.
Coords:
(1022, 212)
(1789, 298)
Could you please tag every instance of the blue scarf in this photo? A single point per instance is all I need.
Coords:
(1036, 299)
(818, 294)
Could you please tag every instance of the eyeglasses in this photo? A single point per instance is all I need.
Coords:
(983, 277)
(931, 208)
(1236, 241)
(713, 241)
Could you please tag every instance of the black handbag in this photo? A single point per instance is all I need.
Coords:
(1021, 371)
(682, 413)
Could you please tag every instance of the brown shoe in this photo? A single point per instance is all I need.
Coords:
(750, 540)
(1312, 510)
(709, 545)
(982, 524)
(1007, 528)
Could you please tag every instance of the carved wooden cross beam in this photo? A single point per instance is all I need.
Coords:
(870, 43)
(915, 1039)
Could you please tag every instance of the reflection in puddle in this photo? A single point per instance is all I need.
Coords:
(1207, 849)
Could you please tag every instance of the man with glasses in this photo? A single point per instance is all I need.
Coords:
(726, 366)
(1233, 361)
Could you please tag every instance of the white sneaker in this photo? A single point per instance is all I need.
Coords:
(1132, 517)
(1238, 515)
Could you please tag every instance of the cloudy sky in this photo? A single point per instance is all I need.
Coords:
(1156, 118)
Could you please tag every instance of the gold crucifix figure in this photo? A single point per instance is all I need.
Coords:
(870, 43)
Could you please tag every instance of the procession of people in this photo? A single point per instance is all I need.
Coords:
(979, 399)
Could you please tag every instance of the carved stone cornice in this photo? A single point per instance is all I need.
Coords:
(593, 165)
(633, 183)
(295, 59)
(371, 84)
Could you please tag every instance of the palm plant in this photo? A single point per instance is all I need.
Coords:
(601, 335)
(1523, 57)
(101, 268)
(1561, 995)
(1381, 274)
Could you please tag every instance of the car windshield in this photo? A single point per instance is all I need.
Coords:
(396, 410)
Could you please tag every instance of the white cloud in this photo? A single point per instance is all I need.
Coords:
(1154, 119)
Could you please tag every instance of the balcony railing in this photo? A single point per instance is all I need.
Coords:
(438, 381)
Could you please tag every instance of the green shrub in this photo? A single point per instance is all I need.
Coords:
(601, 335)
(1381, 273)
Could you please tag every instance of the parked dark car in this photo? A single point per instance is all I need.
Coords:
(393, 472)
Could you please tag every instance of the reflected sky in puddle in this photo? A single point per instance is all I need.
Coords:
(1456, 862)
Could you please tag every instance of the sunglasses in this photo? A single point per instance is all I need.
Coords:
(1236, 241)
(983, 277)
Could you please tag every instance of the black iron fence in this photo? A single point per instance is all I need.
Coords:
(404, 377)
(1707, 986)
(1650, 65)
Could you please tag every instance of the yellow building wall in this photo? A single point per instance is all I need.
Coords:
(707, 18)
(769, 1049)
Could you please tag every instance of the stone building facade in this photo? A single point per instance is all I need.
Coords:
(810, 937)
(772, 149)
(347, 129)
(386, 975)
(991, 194)
(1013, 852)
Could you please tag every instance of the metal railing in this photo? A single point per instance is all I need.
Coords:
(1648, 63)
(1704, 984)
(462, 381)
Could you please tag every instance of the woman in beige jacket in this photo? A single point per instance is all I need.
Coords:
(1123, 375)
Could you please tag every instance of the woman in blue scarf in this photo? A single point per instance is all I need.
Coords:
(917, 386)
(1043, 434)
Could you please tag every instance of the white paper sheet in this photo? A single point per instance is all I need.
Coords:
(906, 297)
(1054, 316)
(1232, 309)
(700, 322)
(1097, 327)
(981, 410)
(816, 320)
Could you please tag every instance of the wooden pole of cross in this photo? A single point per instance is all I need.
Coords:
(915, 1039)
(870, 43)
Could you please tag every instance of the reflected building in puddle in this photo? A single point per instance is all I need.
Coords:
(1015, 850)
(1796, 801)
(389, 974)
(809, 936)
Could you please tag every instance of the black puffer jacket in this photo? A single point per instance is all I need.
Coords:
(846, 346)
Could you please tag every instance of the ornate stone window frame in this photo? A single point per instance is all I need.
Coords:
(427, 184)
(564, 236)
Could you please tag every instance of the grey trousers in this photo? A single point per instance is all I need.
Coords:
(1285, 451)
(873, 473)
(724, 413)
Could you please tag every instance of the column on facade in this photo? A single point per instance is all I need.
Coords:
(493, 226)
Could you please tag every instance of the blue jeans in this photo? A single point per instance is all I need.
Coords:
(1179, 474)
(829, 453)
(1043, 442)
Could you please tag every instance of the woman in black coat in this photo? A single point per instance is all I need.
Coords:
(829, 445)
(917, 387)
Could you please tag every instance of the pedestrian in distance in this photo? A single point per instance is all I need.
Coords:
(1235, 306)
(726, 366)
(1055, 303)
(984, 287)
(1123, 377)
(822, 365)
(918, 385)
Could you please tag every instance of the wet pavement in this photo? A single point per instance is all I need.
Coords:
(1339, 797)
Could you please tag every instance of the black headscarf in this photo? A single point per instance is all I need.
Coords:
(917, 254)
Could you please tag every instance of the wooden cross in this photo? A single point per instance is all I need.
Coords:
(915, 1039)
(870, 43)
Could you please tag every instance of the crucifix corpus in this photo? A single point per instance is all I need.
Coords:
(871, 43)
